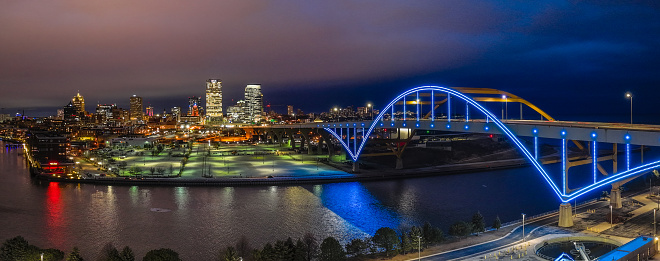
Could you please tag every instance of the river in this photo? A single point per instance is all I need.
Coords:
(199, 221)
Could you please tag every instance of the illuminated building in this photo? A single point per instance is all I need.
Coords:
(150, 111)
(289, 110)
(194, 106)
(79, 103)
(104, 111)
(214, 101)
(136, 108)
(254, 105)
(70, 113)
(236, 113)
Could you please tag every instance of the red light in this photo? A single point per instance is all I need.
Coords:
(491, 136)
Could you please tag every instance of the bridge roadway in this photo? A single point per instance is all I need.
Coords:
(640, 134)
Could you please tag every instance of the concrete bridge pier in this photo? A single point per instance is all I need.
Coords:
(615, 197)
(356, 167)
(565, 215)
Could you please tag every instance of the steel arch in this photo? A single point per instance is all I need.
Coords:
(537, 165)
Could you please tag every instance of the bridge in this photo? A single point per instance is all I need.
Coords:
(416, 109)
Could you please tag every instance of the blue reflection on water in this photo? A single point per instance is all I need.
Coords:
(355, 204)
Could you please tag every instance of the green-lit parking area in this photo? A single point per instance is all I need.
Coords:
(205, 161)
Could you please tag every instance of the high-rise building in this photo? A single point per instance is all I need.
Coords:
(214, 101)
(236, 113)
(104, 111)
(136, 112)
(254, 103)
(79, 103)
(176, 113)
(289, 110)
(194, 106)
(70, 112)
(150, 111)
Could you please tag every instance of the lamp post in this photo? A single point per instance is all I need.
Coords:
(629, 95)
(506, 104)
(419, 248)
(611, 219)
(523, 228)
(655, 231)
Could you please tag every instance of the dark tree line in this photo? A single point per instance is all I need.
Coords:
(385, 242)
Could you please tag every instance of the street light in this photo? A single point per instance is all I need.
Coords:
(506, 104)
(419, 248)
(655, 231)
(629, 95)
(523, 228)
(611, 219)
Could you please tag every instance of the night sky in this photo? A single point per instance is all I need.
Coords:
(575, 59)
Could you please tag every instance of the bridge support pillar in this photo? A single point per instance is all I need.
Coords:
(356, 167)
(615, 198)
(565, 215)
(399, 163)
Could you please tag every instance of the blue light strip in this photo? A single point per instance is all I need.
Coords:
(536, 147)
(467, 112)
(417, 102)
(432, 106)
(510, 135)
(627, 156)
(594, 155)
(563, 166)
(392, 113)
(354, 139)
(448, 107)
(404, 108)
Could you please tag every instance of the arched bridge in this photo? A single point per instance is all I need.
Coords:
(416, 108)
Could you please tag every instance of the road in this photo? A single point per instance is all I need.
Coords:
(512, 238)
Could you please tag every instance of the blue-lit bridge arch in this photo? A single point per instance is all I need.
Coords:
(355, 148)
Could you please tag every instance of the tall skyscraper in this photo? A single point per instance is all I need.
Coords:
(254, 103)
(136, 108)
(79, 103)
(214, 101)
(150, 111)
(104, 111)
(194, 106)
(289, 110)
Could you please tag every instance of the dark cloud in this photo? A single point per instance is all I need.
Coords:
(165, 50)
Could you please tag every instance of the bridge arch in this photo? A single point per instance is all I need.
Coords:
(490, 117)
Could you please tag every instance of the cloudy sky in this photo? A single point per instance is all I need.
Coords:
(566, 56)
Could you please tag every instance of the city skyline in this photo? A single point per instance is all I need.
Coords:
(589, 53)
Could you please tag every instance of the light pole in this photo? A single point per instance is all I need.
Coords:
(611, 219)
(523, 228)
(506, 106)
(419, 248)
(655, 231)
(629, 95)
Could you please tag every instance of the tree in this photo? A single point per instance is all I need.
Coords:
(74, 255)
(406, 245)
(160, 170)
(243, 248)
(135, 170)
(16, 248)
(229, 254)
(267, 253)
(416, 237)
(284, 250)
(357, 247)
(497, 224)
(331, 250)
(152, 170)
(432, 235)
(460, 229)
(163, 254)
(478, 224)
(311, 246)
(387, 239)
(127, 254)
(299, 251)
(109, 253)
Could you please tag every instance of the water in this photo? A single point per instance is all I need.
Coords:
(199, 221)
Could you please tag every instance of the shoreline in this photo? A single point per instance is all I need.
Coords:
(364, 175)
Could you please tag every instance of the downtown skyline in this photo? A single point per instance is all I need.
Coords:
(578, 57)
